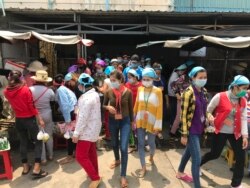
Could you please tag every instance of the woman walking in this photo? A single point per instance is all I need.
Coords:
(148, 115)
(133, 84)
(227, 111)
(118, 101)
(27, 116)
(193, 117)
(42, 96)
(88, 126)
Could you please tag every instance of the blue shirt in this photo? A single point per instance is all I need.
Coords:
(67, 102)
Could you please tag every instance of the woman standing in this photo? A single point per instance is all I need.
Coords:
(133, 84)
(193, 117)
(160, 82)
(88, 128)
(42, 96)
(67, 102)
(227, 111)
(27, 116)
(118, 101)
(148, 115)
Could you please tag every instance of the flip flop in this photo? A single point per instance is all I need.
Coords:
(185, 178)
(25, 173)
(39, 175)
(141, 174)
(66, 160)
(114, 165)
(124, 184)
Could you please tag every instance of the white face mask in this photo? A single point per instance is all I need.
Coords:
(147, 83)
(131, 80)
(99, 70)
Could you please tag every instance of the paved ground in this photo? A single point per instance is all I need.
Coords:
(161, 175)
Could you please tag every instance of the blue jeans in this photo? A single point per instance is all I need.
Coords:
(141, 133)
(192, 150)
(122, 126)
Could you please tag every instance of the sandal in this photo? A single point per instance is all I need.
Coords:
(114, 164)
(185, 178)
(25, 173)
(141, 174)
(39, 175)
(124, 184)
(66, 160)
(150, 162)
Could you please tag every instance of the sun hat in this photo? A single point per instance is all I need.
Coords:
(73, 68)
(133, 72)
(114, 60)
(181, 67)
(85, 79)
(41, 76)
(149, 72)
(239, 80)
(194, 71)
(35, 66)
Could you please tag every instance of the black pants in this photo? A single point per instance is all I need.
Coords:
(71, 145)
(173, 108)
(218, 143)
(27, 127)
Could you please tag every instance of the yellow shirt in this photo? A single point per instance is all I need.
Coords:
(148, 109)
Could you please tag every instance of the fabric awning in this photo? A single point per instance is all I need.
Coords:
(197, 42)
(11, 37)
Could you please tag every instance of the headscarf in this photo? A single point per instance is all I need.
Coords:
(195, 70)
(239, 80)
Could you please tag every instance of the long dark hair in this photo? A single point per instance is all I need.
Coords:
(14, 77)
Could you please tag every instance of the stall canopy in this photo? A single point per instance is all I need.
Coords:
(197, 42)
(11, 37)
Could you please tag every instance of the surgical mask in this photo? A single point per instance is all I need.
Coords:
(115, 85)
(242, 93)
(200, 82)
(131, 80)
(99, 70)
(147, 83)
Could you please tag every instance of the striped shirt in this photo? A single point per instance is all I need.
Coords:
(148, 109)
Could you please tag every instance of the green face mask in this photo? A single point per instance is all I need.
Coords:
(242, 93)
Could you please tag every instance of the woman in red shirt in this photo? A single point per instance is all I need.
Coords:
(133, 84)
(21, 101)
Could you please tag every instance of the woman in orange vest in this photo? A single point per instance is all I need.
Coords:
(227, 111)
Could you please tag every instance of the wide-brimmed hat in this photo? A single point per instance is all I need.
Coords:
(41, 76)
(35, 66)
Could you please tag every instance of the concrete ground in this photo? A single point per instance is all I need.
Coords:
(162, 174)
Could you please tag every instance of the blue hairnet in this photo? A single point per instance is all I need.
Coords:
(239, 80)
(194, 71)
(149, 72)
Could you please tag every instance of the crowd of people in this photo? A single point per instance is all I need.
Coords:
(127, 98)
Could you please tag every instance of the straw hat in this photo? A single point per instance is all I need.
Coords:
(35, 66)
(41, 76)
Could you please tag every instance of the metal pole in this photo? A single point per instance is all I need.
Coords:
(26, 52)
(85, 47)
(3, 10)
(225, 71)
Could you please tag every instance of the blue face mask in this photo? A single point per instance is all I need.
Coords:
(200, 82)
(115, 85)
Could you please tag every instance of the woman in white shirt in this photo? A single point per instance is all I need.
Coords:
(88, 127)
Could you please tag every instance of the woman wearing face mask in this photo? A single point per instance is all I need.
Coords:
(148, 116)
(193, 116)
(133, 84)
(88, 128)
(118, 101)
(227, 111)
(160, 82)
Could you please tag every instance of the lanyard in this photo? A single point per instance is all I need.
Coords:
(147, 98)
